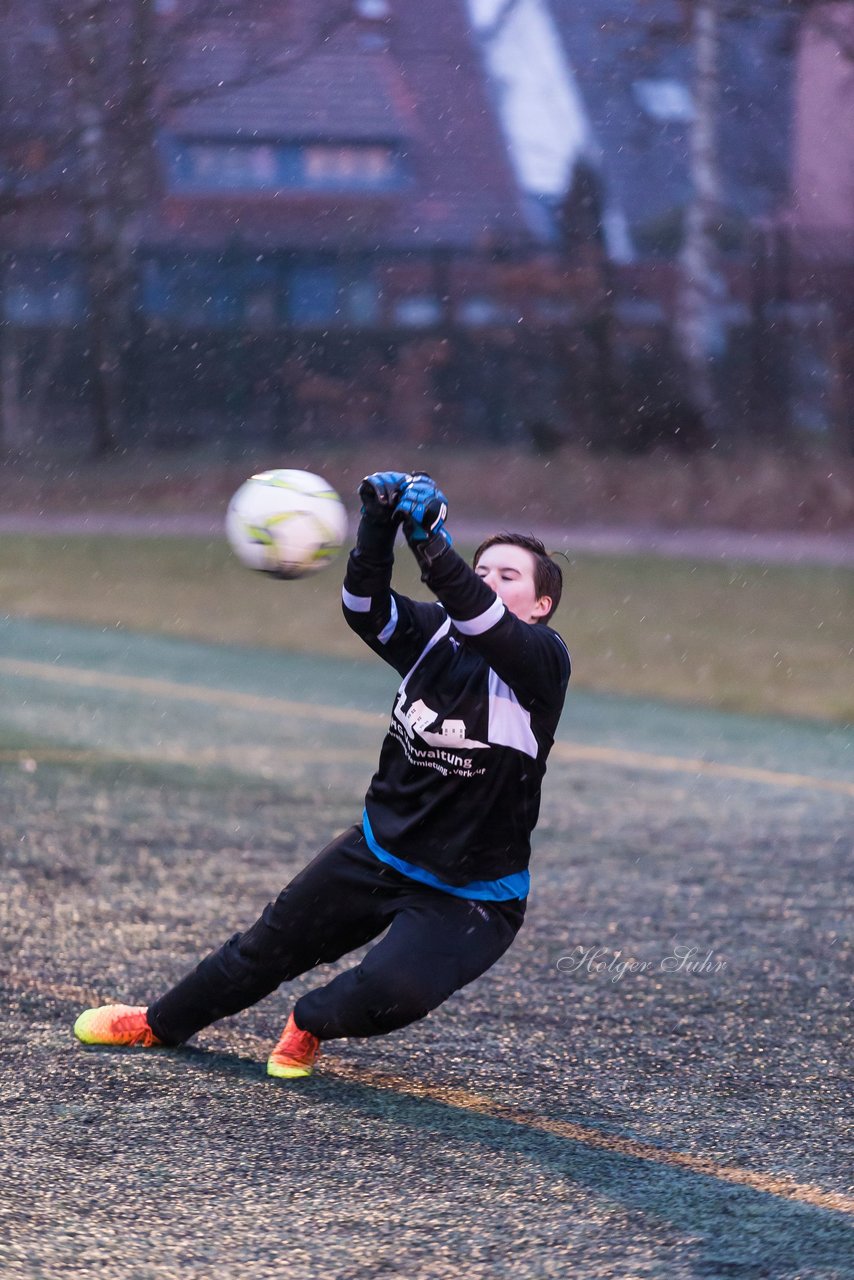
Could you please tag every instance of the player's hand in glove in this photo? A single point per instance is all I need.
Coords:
(421, 509)
(378, 526)
(380, 492)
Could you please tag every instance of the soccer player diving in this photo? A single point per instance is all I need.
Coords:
(438, 863)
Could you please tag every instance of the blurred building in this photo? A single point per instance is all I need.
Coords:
(634, 65)
(374, 137)
(599, 94)
(822, 212)
(318, 175)
(386, 215)
(811, 249)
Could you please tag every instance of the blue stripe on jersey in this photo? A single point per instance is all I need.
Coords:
(516, 886)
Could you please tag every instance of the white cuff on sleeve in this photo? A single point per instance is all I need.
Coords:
(476, 626)
(356, 604)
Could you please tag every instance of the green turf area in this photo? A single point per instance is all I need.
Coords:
(120, 871)
(739, 637)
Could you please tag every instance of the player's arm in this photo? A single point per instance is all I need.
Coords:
(531, 658)
(393, 626)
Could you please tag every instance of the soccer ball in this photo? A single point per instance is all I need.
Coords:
(289, 523)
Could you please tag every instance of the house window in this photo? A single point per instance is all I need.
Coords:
(668, 101)
(350, 166)
(213, 292)
(196, 292)
(41, 291)
(217, 166)
(363, 301)
(420, 311)
(323, 294)
(313, 295)
(236, 166)
(478, 311)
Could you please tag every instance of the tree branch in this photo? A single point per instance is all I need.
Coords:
(276, 64)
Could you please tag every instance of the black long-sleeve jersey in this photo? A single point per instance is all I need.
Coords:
(456, 794)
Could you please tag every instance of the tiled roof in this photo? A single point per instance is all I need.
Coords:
(415, 82)
(424, 91)
(346, 95)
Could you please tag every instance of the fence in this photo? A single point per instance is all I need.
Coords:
(502, 363)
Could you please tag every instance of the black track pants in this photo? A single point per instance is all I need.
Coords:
(436, 943)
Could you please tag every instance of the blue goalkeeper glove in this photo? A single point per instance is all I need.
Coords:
(421, 509)
(380, 492)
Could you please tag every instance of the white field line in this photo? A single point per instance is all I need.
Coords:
(565, 752)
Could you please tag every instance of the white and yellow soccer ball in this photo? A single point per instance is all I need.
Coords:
(290, 523)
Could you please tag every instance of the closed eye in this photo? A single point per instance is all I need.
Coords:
(506, 575)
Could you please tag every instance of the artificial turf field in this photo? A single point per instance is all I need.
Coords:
(557, 1118)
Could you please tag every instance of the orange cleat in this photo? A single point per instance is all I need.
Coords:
(125, 1024)
(295, 1053)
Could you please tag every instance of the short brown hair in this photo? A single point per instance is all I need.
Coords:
(548, 579)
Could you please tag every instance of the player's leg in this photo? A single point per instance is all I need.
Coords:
(437, 944)
(341, 900)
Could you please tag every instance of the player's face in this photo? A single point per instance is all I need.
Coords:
(509, 570)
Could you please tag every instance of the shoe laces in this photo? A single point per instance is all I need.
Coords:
(297, 1043)
(137, 1024)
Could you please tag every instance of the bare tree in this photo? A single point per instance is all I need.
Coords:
(699, 326)
(700, 291)
(118, 68)
(33, 142)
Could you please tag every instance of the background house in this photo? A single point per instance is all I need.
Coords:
(460, 220)
(328, 196)
(822, 211)
(814, 242)
(606, 89)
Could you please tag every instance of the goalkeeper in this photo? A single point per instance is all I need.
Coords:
(439, 861)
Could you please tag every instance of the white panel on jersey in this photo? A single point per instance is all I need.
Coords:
(434, 639)
(388, 630)
(509, 722)
(477, 626)
(356, 604)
